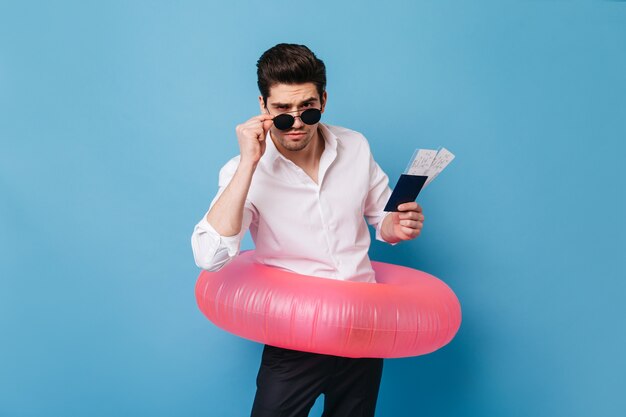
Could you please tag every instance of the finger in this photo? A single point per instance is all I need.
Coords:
(259, 120)
(412, 215)
(260, 128)
(413, 224)
(408, 206)
(410, 233)
(254, 132)
(407, 223)
(267, 124)
(263, 117)
(265, 121)
(408, 215)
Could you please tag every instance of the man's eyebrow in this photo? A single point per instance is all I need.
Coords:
(308, 100)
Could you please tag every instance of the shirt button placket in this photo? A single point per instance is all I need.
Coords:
(326, 230)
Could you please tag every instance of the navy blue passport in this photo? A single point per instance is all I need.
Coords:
(406, 190)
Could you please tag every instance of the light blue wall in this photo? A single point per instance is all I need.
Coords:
(115, 118)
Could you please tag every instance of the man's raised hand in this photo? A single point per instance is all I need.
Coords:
(251, 136)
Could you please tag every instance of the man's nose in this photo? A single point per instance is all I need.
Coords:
(297, 122)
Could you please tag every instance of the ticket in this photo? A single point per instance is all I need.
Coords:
(443, 158)
(421, 162)
(424, 167)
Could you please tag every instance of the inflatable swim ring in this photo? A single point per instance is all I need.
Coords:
(406, 313)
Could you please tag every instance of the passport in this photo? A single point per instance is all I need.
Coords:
(405, 191)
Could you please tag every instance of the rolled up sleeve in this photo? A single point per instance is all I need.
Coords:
(211, 251)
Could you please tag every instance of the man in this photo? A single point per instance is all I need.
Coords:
(304, 189)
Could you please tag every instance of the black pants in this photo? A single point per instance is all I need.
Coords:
(289, 382)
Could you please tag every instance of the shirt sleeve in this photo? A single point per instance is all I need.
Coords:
(211, 251)
(377, 197)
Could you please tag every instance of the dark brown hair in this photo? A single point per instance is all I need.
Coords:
(288, 63)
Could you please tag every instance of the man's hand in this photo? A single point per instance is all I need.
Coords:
(251, 136)
(406, 224)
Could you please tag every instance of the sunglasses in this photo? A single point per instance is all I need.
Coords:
(284, 121)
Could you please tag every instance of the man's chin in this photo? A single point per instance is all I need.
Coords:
(295, 146)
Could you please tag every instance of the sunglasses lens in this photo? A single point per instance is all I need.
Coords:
(311, 116)
(283, 121)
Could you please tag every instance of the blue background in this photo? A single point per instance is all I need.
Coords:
(115, 118)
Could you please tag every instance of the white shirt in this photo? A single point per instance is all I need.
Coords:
(298, 225)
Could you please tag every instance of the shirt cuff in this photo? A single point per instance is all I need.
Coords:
(230, 243)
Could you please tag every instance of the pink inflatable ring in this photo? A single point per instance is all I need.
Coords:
(406, 313)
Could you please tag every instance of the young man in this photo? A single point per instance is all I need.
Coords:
(304, 189)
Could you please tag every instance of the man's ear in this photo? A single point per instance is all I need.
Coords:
(261, 104)
(324, 98)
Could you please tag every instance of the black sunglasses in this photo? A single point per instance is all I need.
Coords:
(284, 121)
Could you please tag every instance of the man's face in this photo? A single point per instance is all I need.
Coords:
(293, 99)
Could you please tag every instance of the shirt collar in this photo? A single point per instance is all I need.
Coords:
(272, 154)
